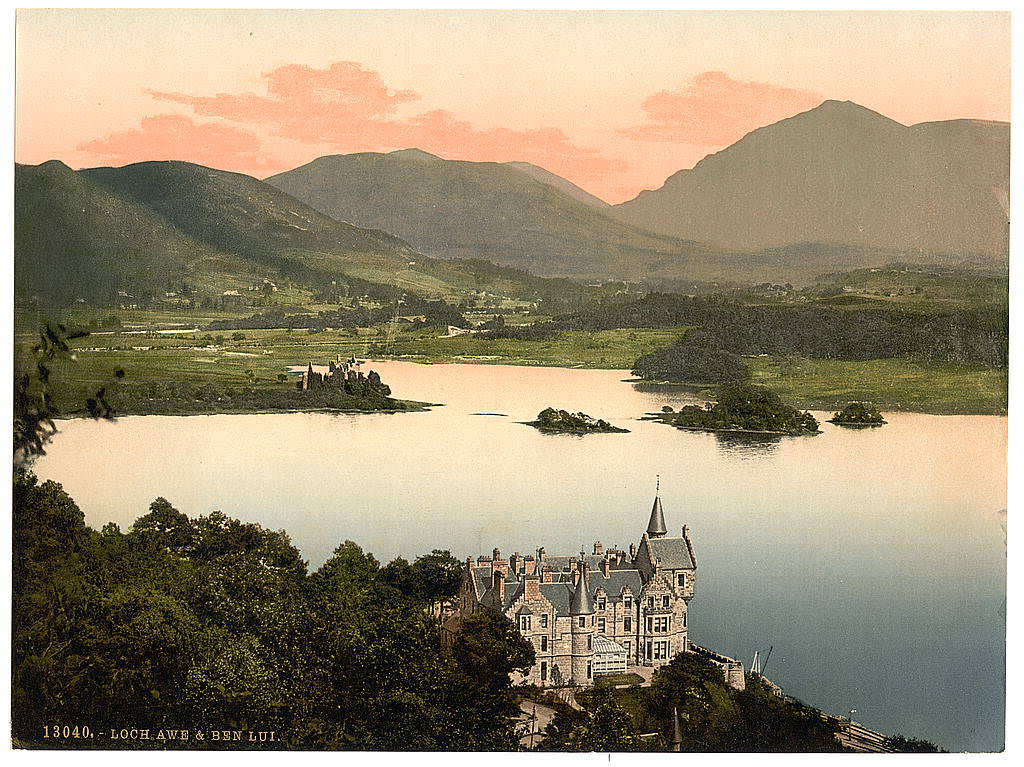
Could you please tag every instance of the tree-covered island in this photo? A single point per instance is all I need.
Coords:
(858, 414)
(562, 421)
(744, 408)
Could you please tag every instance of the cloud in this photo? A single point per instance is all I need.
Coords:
(348, 108)
(715, 110)
(176, 137)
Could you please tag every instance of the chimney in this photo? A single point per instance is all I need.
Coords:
(541, 556)
(498, 581)
(482, 560)
(529, 565)
(632, 551)
(598, 548)
(515, 563)
(532, 586)
(497, 554)
(606, 566)
(469, 563)
(545, 575)
(686, 531)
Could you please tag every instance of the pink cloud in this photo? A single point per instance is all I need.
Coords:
(175, 137)
(715, 110)
(348, 108)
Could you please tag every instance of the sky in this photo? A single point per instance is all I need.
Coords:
(614, 101)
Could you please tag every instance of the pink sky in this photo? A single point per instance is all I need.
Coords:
(615, 102)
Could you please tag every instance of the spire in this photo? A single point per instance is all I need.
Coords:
(656, 527)
(581, 603)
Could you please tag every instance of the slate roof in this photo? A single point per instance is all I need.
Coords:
(673, 552)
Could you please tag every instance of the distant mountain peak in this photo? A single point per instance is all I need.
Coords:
(414, 154)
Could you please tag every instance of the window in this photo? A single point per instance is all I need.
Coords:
(625, 645)
(627, 624)
(590, 642)
(544, 621)
(660, 650)
(650, 603)
(590, 670)
(583, 621)
(544, 670)
(627, 602)
(681, 580)
(650, 624)
(661, 624)
(684, 620)
(543, 643)
(601, 603)
(666, 601)
(600, 625)
(524, 622)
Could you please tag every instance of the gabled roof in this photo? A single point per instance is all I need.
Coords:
(673, 552)
(605, 646)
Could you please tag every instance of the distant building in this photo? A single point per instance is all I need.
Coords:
(590, 614)
(336, 375)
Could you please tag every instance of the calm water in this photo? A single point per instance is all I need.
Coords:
(872, 560)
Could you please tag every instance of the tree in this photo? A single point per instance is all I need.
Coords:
(488, 647)
(695, 359)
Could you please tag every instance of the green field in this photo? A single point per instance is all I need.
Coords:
(891, 384)
(261, 359)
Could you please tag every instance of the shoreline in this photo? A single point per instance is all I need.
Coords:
(414, 407)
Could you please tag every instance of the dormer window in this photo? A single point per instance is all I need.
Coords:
(681, 580)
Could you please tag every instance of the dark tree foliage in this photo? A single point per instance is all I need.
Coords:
(694, 359)
(973, 335)
(603, 726)
(745, 408)
(214, 623)
(858, 414)
(34, 406)
(715, 717)
(551, 419)
(906, 745)
(436, 312)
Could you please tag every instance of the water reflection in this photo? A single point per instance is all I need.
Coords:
(747, 446)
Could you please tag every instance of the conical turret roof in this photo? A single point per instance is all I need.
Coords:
(581, 603)
(656, 527)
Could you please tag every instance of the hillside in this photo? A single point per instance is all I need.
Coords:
(75, 238)
(147, 228)
(501, 213)
(841, 174)
(562, 184)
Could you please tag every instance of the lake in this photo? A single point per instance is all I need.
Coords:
(872, 560)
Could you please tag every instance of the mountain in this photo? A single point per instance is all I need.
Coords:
(564, 185)
(841, 174)
(495, 211)
(149, 227)
(75, 238)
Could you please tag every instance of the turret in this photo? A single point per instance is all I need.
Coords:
(581, 608)
(656, 527)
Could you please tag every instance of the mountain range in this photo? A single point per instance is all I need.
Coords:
(841, 174)
(148, 227)
(522, 217)
(834, 188)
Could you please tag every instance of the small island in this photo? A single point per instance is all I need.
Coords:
(858, 414)
(562, 421)
(746, 409)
